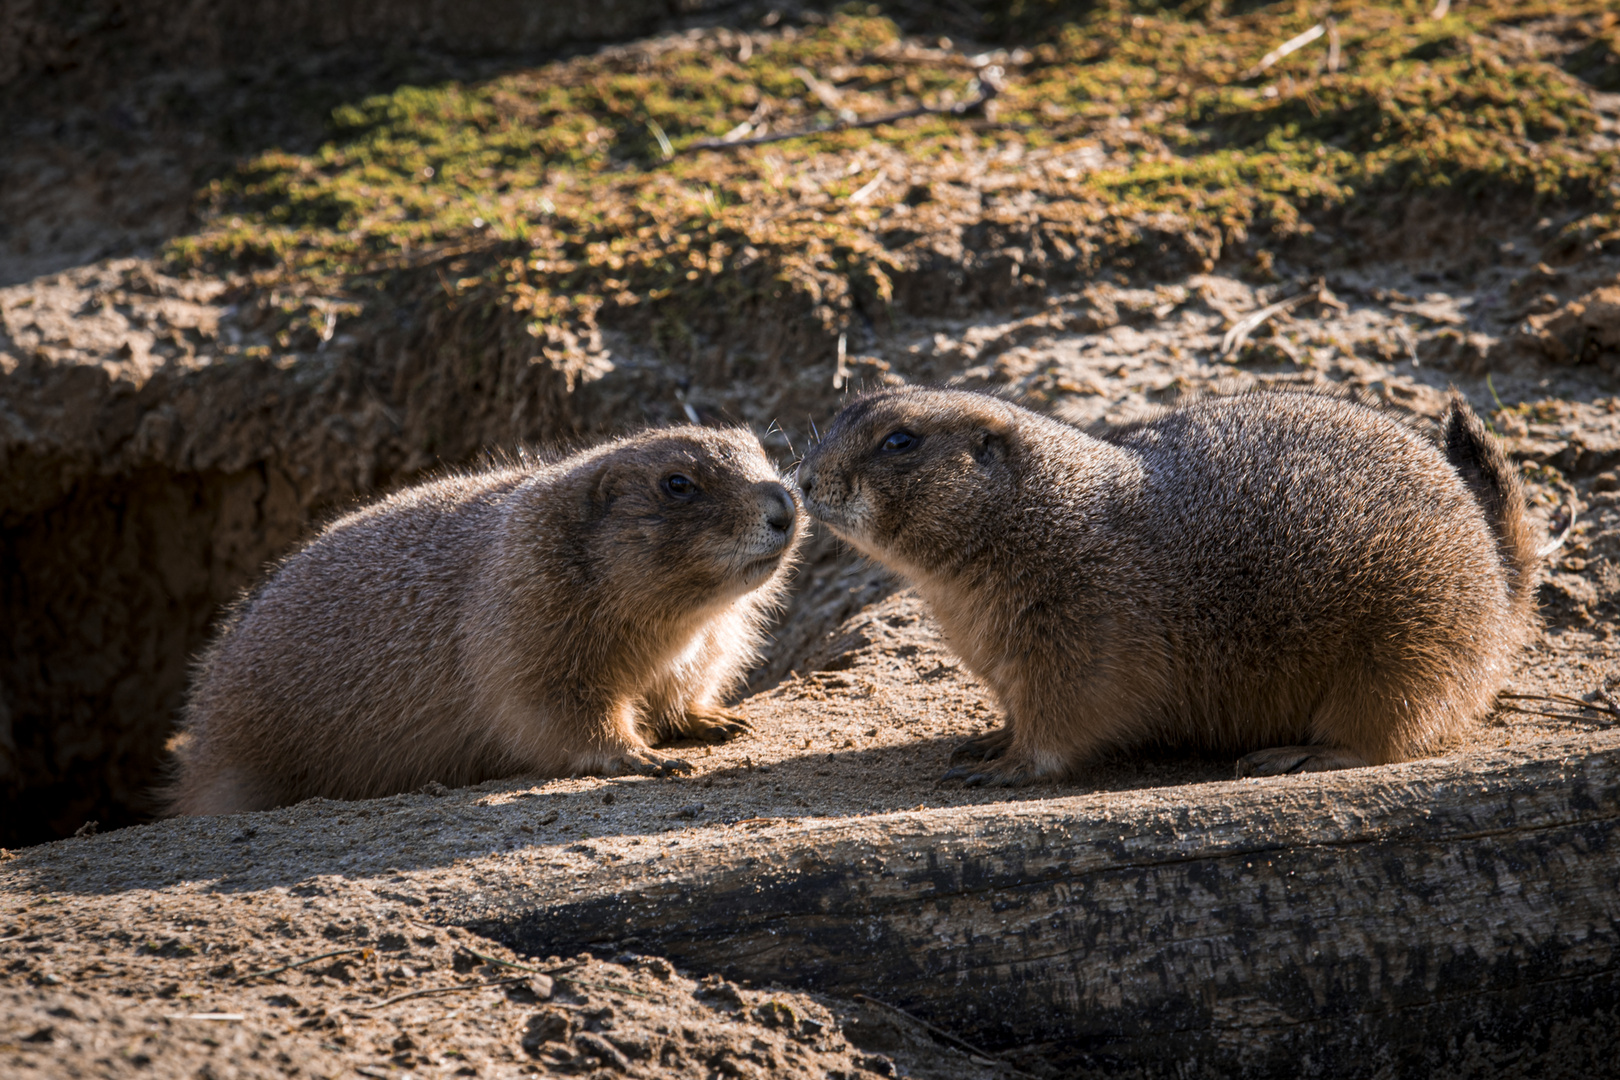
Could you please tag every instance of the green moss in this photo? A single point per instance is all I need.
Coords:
(553, 186)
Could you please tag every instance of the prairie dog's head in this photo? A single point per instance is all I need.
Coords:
(904, 475)
(687, 516)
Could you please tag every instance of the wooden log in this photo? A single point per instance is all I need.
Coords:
(1451, 917)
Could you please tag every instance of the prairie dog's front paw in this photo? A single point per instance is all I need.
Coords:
(713, 724)
(705, 723)
(643, 763)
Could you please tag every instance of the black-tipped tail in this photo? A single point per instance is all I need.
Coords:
(1478, 458)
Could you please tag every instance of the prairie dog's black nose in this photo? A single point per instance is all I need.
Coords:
(780, 512)
(806, 481)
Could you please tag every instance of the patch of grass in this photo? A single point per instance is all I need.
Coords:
(552, 186)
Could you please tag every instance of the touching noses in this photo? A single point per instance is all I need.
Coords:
(780, 512)
(806, 479)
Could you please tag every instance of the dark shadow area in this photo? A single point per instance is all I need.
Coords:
(113, 170)
(107, 596)
(114, 115)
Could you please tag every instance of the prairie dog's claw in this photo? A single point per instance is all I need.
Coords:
(645, 763)
(705, 723)
(1291, 760)
(670, 766)
(716, 726)
(1003, 773)
(986, 747)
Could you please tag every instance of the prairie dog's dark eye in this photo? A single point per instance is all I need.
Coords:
(680, 486)
(898, 442)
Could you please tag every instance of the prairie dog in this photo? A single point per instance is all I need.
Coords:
(1289, 576)
(549, 619)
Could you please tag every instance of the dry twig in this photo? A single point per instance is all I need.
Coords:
(960, 1044)
(990, 84)
(1608, 712)
(1292, 45)
(827, 94)
(434, 991)
(1239, 334)
(607, 988)
(1235, 337)
(1556, 542)
(298, 964)
(756, 122)
(552, 971)
(868, 189)
(664, 147)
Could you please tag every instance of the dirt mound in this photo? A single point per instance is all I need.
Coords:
(1584, 331)
(345, 317)
(157, 455)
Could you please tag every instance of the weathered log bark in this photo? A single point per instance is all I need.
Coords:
(1453, 917)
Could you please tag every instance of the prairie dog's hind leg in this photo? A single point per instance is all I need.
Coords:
(986, 747)
(622, 757)
(1050, 728)
(1013, 757)
(973, 759)
(643, 762)
(1289, 760)
(1356, 726)
(204, 791)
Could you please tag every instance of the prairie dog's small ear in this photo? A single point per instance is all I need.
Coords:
(600, 491)
(990, 441)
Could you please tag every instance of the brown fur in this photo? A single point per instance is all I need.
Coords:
(1243, 573)
(548, 619)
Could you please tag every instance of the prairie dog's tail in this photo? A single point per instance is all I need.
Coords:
(1478, 458)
